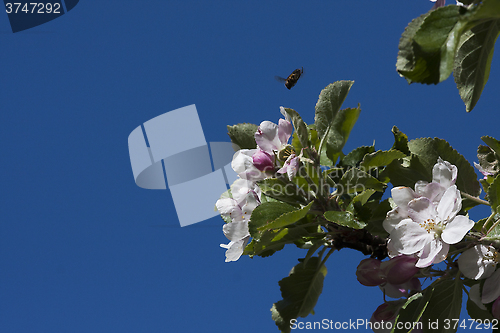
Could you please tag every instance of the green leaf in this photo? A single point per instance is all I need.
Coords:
(266, 213)
(488, 159)
(243, 135)
(328, 105)
(406, 62)
(345, 219)
(274, 240)
(316, 244)
(487, 10)
(341, 128)
(445, 303)
(494, 195)
(363, 197)
(438, 38)
(356, 180)
(380, 158)
(428, 46)
(300, 292)
(405, 172)
(375, 224)
(428, 150)
(300, 127)
(287, 218)
(473, 61)
(492, 143)
(356, 156)
(412, 310)
(400, 141)
(283, 190)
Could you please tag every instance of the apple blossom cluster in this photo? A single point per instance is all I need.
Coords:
(425, 221)
(422, 226)
(252, 165)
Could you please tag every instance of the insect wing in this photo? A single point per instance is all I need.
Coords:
(280, 79)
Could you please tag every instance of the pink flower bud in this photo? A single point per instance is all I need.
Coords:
(368, 272)
(399, 269)
(387, 311)
(263, 160)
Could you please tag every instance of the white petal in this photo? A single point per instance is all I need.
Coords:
(393, 218)
(432, 250)
(491, 288)
(402, 195)
(473, 264)
(235, 231)
(455, 230)
(240, 189)
(422, 210)
(450, 204)
(229, 207)
(442, 254)
(235, 249)
(444, 173)
(409, 237)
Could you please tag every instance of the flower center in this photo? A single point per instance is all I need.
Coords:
(494, 256)
(430, 225)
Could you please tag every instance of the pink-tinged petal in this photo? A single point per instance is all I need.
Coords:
(285, 129)
(444, 173)
(455, 230)
(429, 252)
(432, 191)
(393, 218)
(450, 204)
(242, 164)
(266, 136)
(263, 161)
(229, 207)
(235, 249)
(235, 231)
(291, 166)
(491, 288)
(477, 263)
(409, 237)
(421, 210)
(402, 195)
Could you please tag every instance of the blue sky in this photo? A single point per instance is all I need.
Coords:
(83, 249)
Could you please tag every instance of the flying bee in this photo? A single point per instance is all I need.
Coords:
(292, 79)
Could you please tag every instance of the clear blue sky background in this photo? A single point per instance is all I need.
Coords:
(83, 249)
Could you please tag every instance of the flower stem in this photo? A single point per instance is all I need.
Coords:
(476, 199)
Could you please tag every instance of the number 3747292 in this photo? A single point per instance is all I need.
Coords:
(470, 324)
(32, 8)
